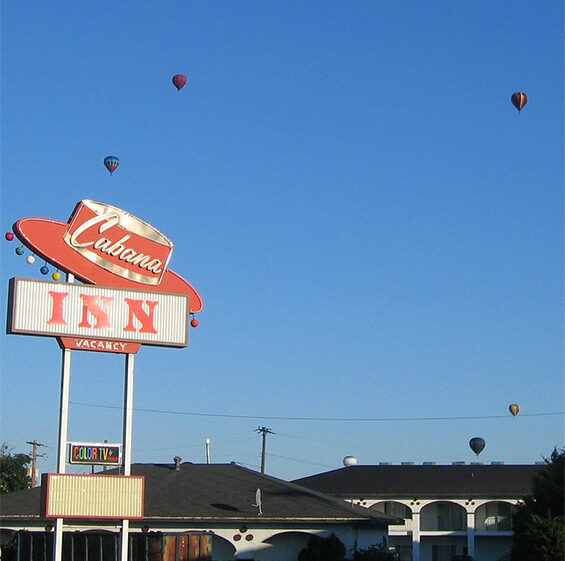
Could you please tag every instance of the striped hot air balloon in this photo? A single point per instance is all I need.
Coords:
(519, 99)
(514, 408)
(111, 163)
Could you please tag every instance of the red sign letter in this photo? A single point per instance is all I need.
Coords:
(57, 316)
(90, 304)
(146, 319)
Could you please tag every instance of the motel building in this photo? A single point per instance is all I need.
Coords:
(191, 512)
(216, 512)
(447, 510)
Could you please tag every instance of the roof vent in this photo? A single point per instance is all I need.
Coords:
(430, 464)
(497, 463)
(349, 461)
(457, 463)
(177, 460)
(406, 463)
(385, 463)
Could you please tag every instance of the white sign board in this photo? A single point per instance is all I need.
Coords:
(90, 311)
(94, 496)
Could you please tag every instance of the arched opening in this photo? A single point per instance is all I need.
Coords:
(443, 516)
(393, 508)
(222, 548)
(284, 545)
(494, 517)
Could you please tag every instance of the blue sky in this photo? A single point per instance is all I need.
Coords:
(376, 232)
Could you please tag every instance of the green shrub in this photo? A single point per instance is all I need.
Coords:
(374, 553)
(323, 549)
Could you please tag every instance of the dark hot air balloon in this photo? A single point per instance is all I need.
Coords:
(111, 163)
(514, 408)
(477, 444)
(519, 99)
(179, 80)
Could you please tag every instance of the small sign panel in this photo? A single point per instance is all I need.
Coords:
(94, 453)
(91, 312)
(94, 496)
(87, 344)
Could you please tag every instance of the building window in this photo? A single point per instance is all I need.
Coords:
(155, 546)
(443, 516)
(103, 546)
(404, 552)
(443, 552)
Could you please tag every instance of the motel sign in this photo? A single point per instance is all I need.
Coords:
(127, 297)
(91, 313)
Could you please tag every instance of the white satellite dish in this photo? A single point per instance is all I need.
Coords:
(258, 501)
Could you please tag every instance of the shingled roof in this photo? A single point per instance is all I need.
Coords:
(218, 493)
(425, 481)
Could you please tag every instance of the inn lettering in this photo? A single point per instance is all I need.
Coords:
(98, 308)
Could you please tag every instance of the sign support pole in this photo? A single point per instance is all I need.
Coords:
(63, 436)
(127, 438)
(63, 431)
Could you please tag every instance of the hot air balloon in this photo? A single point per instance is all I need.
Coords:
(179, 80)
(514, 408)
(519, 99)
(477, 444)
(111, 163)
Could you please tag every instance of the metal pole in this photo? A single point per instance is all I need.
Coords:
(128, 413)
(127, 438)
(124, 539)
(208, 451)
(263, 449)
(264, 431)
(63, 431)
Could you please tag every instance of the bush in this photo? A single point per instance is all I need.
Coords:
(323, 549)
(374, 553)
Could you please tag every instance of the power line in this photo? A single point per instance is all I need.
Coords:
(301, 461)
(325, 419)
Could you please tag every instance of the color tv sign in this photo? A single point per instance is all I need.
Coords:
(94, 453)
(130, 296)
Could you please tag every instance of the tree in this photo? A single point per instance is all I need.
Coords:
(13, 471)
(539, 523)
(323, 549)
(374, 553)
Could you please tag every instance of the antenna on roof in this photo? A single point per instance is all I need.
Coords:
(258, 502)
(208, 451)
(177, 460)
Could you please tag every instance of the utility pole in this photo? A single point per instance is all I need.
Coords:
(264, 431)
(34, 456)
